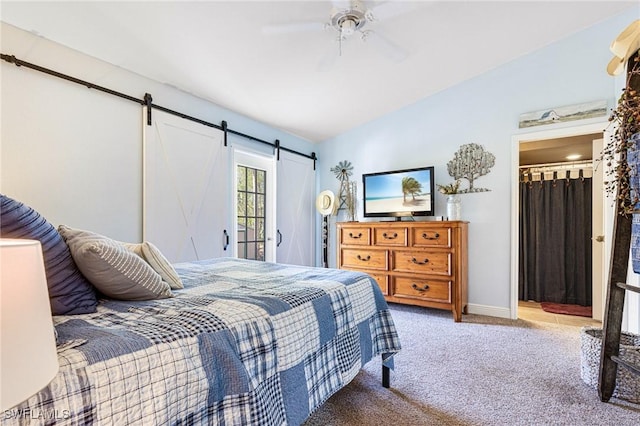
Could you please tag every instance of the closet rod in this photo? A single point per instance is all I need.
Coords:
(562, 163)
(20, 63)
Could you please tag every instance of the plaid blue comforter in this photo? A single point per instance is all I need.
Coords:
(245, 343)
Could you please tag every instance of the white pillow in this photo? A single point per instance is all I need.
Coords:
(154, 257)
(116, 272)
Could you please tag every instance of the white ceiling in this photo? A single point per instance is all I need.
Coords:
(219, 50)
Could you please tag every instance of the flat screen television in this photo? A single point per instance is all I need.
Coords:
(399, 193)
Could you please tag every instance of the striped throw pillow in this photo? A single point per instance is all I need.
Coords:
(116, 272)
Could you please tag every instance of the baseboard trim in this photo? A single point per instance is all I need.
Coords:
(491, 311)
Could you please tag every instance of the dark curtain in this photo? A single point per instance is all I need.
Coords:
(555, 241)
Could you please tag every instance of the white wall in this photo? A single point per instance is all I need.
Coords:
(484, 110)
(75, 154)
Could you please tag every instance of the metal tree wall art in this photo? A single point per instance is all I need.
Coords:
(347, 195)
(470, 162)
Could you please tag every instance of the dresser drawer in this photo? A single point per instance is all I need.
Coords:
(431, 237)
(364, 259)
(383, 282)
(424, 263)
(360, 236)
(437, 291)
(396, 237)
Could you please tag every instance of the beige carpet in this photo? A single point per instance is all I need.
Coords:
(483, 371)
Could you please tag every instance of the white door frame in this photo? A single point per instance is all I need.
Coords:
(598, 228)
(598, 126)
(246, 157)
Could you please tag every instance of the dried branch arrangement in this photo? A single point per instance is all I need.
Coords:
(621, 154)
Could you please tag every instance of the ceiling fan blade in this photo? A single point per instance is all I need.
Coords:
(387, 10)
(297, 27)
(385, 46)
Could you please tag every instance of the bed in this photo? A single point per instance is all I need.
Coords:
(243, 343)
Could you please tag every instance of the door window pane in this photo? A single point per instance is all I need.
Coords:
(242, 204)
(260, 205)
(251, 179)
(242, 178)
(260, 229)
(251, 212)
(251, 205)
(261, 177)
(260, 251)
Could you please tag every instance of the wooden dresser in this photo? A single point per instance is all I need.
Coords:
(415, 263)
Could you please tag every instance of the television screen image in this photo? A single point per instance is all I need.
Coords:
(399, 193)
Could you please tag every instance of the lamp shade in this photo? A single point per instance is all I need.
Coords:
(28, 357)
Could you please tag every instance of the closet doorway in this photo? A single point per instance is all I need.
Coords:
(557, 251)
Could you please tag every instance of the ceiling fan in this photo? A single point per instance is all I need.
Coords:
(348, 18)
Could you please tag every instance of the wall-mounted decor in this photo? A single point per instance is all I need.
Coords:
(470, 162)
(565, 113)
(347, 194)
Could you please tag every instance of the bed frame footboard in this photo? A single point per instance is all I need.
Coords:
(386, 376)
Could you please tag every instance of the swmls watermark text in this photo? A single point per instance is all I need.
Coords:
(36, 414)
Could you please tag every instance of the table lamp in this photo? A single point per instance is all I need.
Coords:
(28, 357)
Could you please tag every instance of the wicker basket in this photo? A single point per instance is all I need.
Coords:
(627, 383)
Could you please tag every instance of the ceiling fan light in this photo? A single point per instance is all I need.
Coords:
(347, 27)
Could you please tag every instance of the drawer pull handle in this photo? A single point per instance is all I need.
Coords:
(351, 235)
(390, 236)
(427, 237)
(364, 259)
(417, 262)
(423, 288)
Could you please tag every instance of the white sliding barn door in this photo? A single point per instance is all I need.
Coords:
(187, 188)
(295, 210)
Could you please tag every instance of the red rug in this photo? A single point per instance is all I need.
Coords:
(561, 308)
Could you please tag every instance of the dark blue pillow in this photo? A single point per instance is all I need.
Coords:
(69, 291)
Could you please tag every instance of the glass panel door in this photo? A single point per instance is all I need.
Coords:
(254, 206)
(251, 212)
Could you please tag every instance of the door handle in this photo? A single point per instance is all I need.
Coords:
(279, 238)
(226, 240)
(599, 238)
